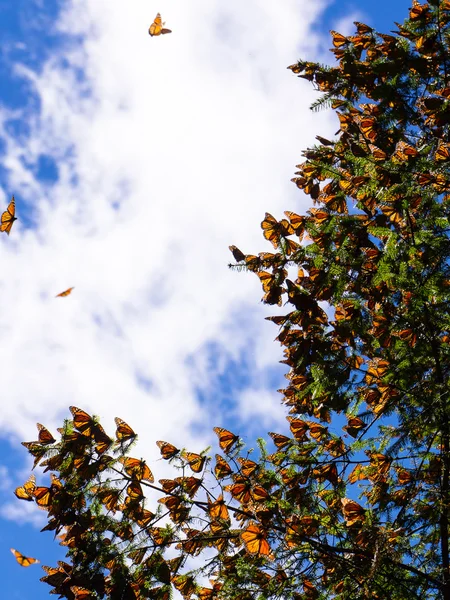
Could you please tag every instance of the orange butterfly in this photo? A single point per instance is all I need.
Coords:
(8, 217)
(24, 561)
(137, 469)
(26, 491)
(156, 28)
(123, 431)
(45, 437)
(255, 541)
(167, 450)
(218, 509)
(65, 293)
(195, 461)
(189, 485)
(222, 468)
(82, 421)
(226, 438)
(81, 593)
(281, 441)
(238, 255)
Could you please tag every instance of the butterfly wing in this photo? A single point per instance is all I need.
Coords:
(65, 293)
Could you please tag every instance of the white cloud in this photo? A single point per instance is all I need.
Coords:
(23, 513)
(169, 149)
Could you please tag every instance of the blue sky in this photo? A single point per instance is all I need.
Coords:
(135, 162)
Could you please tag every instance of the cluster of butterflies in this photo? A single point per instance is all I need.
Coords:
(157, 27)
(85, 424)
(6, 222)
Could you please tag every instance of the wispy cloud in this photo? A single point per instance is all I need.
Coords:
(167, 150)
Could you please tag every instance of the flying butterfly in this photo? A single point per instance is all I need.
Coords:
(8, 217)
(157, 27)
(26, 491)
(65, 293)
(24, 561)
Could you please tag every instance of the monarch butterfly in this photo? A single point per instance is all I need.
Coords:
(108, 497)
(8, 218)
(24, 561)
(195, 461)
(226, 438)
(205, 593)
(123, 431)
(167, 450)
(168, 485)
(44, 437)
(156, 28)
(103, 440)
(26, 491)
(185, 585)
(442, 153)
(367, 127)
(178, 510)
(189, 485)
(255, 541)
(299, 428)
(82, 421)
(241, 490)
(134, 491)
(280, 441)
(339, 40)
(137, 556)
(65, 293)
(238, 255)
(36, 450)
(218, 509)
(267, 280)
(297, 222)
(222, 468)
(159, 535)
(353, 512)
(273, 230)
(143, 517)
(54, 576)
(355, 424)
(80, 593)
(248, 467)
(317, 431)
(137, 469)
